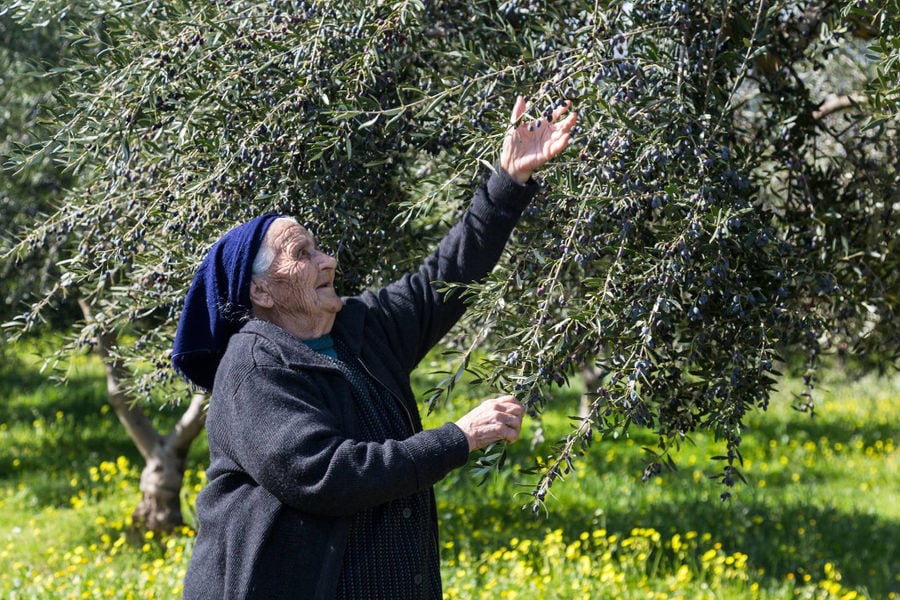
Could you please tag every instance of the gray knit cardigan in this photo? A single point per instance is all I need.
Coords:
(286, 472)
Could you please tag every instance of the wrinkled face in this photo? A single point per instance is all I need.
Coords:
(298, 288)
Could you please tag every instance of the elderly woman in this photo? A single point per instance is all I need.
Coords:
(320, 475)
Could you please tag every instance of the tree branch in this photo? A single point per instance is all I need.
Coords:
(833, 104)
(139, 428)
(190, 424)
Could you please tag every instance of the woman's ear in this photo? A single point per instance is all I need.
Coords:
(259, 294)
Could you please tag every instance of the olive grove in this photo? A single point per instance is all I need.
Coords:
(730, 198)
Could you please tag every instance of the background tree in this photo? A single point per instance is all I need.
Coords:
(731, 196)
(27, 62)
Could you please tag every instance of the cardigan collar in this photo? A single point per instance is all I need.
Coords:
(348, 327)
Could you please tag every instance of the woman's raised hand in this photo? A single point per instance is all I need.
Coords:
(528, 145)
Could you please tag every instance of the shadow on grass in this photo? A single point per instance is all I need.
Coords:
(781, 539)
(781, 530)
(31, 394)
(803, 427)
(56, 431)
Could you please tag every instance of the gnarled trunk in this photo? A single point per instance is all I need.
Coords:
(163, 475)
(161, 479)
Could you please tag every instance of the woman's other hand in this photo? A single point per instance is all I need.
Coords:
(492, 421)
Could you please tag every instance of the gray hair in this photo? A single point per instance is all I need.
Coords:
(266, 253)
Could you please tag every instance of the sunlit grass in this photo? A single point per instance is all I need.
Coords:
(818, 518)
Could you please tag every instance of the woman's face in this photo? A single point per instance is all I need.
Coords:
(300, 281)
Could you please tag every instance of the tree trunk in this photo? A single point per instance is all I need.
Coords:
(165, 455)
(163, 476)
(592, 376)
(161, 480)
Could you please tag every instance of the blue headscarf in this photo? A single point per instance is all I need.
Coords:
(217, 302)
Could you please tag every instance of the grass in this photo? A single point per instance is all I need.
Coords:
(819, 517)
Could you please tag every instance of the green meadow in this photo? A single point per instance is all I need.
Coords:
(819, 516)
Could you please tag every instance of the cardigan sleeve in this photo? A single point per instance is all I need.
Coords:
(292, 443)
(415, 315)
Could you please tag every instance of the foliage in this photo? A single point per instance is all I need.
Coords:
(27, 59)
(715, 212)
(818, 521)
(884, 18)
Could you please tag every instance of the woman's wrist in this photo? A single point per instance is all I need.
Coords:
(520, 177)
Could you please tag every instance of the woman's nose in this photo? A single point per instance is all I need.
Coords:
(326, 261)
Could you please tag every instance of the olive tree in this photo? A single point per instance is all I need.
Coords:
(730, 196)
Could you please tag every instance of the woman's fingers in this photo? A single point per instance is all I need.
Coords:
(518, 111)
(492, 421)
(559, 110)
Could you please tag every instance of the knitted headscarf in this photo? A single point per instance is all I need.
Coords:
(217, 302)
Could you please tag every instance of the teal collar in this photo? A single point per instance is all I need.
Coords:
(323, 345)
